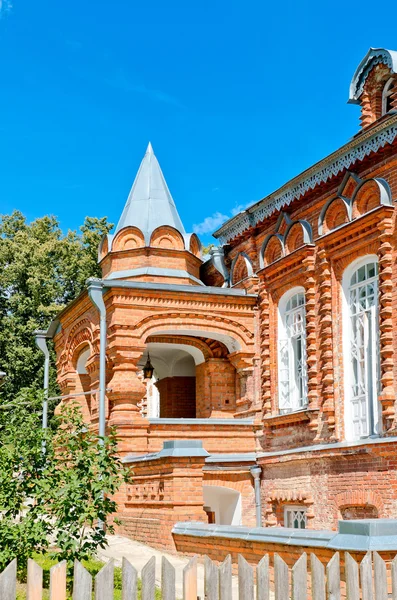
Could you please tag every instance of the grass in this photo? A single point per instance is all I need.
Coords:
(92, 566)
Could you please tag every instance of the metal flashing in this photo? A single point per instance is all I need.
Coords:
(373, 57)
(334, 446)
(171, 449)
(170, 287)
(150, 204)
(231, 458)
(359, 536)
(226, 422)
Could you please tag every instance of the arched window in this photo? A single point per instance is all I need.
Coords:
(292, 351)
(361, 348)
(387, 96)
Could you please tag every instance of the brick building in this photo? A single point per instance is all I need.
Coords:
(274, 387)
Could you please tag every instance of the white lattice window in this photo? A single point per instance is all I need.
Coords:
(362, 350)
(292, 352)
(295, 517)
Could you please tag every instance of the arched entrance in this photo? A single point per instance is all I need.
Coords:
(223, 503)
(193, 377)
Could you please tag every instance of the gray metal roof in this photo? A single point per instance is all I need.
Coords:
(373, 57)
(150, 203)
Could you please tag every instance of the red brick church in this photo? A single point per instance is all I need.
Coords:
(271, 378)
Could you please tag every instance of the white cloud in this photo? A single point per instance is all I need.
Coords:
(210, 224)
(5, 7)
(237, 209)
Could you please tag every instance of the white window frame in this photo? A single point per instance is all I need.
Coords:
(386, 93)
(285, 351)
(289, 511)
(373, 411)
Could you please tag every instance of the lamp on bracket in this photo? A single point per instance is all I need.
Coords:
(148, 369)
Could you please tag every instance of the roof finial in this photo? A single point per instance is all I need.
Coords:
(149, 149)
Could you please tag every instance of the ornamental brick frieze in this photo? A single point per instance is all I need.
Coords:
(276, 499)
(210, 322)
(218, 304)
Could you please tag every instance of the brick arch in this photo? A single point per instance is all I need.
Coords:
(195, 245)
(335, 213)
(238, 336)
(201, 344)
(341, 264)
(294, 238)
(238, 485)
(241, 268)
(370, 194)
(167, 237)
(272, 249)
(80, 335)
(128, 238)
(361, 497)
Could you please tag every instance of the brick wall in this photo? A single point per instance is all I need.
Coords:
(177, 397)
(216, 388)
(162, 492)
(344, 483)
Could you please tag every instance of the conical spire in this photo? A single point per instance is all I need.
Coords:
(150, 203)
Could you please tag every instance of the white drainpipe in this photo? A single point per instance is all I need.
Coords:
(256, 474)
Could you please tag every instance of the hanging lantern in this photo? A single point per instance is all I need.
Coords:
(148, 369)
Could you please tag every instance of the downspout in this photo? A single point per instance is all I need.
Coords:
(40, 337)
(95, 292)
(256, 474)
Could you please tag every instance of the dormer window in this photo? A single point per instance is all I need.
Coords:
(387, 96)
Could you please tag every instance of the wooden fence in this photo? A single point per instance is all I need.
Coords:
(371, 579)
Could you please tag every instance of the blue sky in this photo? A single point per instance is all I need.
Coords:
(236, 98)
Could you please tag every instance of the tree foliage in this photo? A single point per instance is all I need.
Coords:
(56, 496)
(41, 270)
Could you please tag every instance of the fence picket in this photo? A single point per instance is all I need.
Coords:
(129, 581)
(211, 580)
(366, 577)
(318, 578)
(225, 579)
(35, 581)
(148, 577)
(82, 582)
(190, 580)
(332, 571)
(167, 580)
(262, 579)
(351, 573)
(8, 581)
(299, 578)
(245, 579)
(393, 569)
(58, 581)
(380, 578)
(104, 582)
(281, 584)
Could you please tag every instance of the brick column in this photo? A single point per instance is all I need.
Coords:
(387, 394)
(326, 342)
(311, 341)
(126, 391)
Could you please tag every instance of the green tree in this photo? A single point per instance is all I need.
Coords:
(55, 496)
(41, 270)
